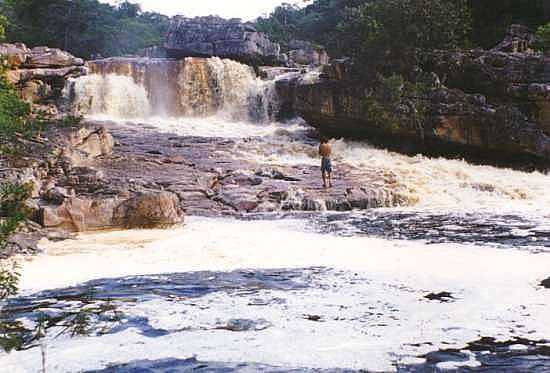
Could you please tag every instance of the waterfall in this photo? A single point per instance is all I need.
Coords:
(195, 87)
(112, 95)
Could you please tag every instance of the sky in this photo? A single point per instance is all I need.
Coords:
(245, 9)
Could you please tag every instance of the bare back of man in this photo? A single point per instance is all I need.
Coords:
(325, 151)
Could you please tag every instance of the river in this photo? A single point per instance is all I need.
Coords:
(451, 281)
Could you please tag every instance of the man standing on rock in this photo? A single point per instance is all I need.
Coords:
(325, 151)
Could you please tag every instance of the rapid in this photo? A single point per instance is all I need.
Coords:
(449, 282)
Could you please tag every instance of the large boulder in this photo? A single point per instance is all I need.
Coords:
(150, 210)
(83, 214)
(15, 54)
(490, 104)
(511, 73)
(51, 57)
(91, 143)
(215, 36)
(518, 39)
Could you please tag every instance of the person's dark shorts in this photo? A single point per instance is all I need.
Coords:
(326, 165)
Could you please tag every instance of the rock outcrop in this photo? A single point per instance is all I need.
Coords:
(147, 210)
(304, 53)
(40, 73)
(71, 193)
(215, 36)
(494, 103)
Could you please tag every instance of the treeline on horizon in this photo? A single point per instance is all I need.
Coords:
(89, 28)
(465, 23)
(86, 28)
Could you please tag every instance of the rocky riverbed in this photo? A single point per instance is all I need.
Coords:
(185, 223)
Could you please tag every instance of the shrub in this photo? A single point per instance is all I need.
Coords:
(395, 102)
(12, 214)
(543, 38)
(14, 112)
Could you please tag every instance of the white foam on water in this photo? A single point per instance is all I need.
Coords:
(451, 185)
(369, 321)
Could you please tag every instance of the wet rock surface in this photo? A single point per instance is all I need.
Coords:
(114, 176)
(222, 183)
(473, 228)
(169, 365)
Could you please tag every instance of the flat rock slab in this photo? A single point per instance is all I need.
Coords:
(210, 180)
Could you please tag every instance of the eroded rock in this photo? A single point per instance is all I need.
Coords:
(147, 210)
(150, 210)
(15, 54)
(215, 36)
(51, 57)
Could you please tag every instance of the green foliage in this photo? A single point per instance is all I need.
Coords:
(491, 18)
(3, 25)
(86, 28)
(13, 198)
(543, 38)
(316, 23)
(395, 102)
(13, 112)
(393, 30)
(12, 214)
(9, 278)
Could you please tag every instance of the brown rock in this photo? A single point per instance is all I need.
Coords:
(35, 91)
(51, 57)
(16, 54)
(150, 210)
(48, 73)
(85, 144)
(80, 215)
(96, 144)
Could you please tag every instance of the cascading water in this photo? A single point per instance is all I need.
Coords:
(128, 88)
(111, 95)
(165, 298)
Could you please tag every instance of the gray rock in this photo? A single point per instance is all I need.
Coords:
(51, 57)
(302, 52)
(214, 36)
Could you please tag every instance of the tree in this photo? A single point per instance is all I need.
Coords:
(3, 25)
(388, 33)
(491, 18)
(83, 27)
(543, 38)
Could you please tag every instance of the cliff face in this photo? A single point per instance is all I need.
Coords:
(489, 102)
(214, 36)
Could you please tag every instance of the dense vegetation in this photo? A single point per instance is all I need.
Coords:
(14, 121)
(12, 214)
(86, 28)
(338, 24)
(384, 38)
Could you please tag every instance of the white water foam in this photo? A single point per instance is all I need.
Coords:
(453, 185)
(111, 95)
(496, 291)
